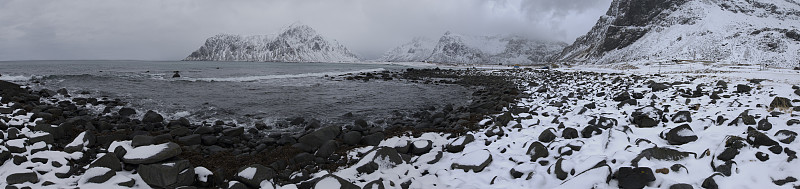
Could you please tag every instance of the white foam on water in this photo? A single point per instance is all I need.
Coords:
(268, 77)
(14, 78)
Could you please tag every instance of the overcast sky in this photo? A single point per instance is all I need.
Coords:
(171, 29)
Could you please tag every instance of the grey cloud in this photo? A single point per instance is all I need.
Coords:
(171, 29)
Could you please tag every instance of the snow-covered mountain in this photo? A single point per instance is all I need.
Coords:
(455, 48)
(297, 43)
(729, 31)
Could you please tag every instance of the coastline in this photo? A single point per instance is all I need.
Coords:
(564, 128)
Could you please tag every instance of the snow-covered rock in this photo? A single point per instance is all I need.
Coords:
(297, 43)
(737, 32)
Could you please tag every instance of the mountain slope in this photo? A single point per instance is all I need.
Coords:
(455, 48)
(298, 43)
(731, 31)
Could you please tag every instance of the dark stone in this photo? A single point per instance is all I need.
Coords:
(728, 154)
(375, 184)
(503, 120)
(674, 136)
(590, 131)
(629, 177)
(387, 157)
(764, 125)
(793, 122)
(658, 87)
(107, 174)
(421, 147)
(547, 136)
(569, 133)
(204, 130)
(682, 116)
(709, 183)
(297, 121)
(777, 149)
(781, 182)
(170, 150)
(622, 97)
(152, 117)
(343, 184)
(327, 149)
(168, 174)
(474, 168)
(320, 136)
(142, 140)
(537, 150)
(455, 147)
(762, 156)
(108, 160)
(208, 140)
(351, 138)
(194, 139)
(743, 88)
(361, 123)
(233, 132)
(23, 177)
(786, 136)
(126, 112)
(259, 174)
(780, 103)
(373, 139)
(660, 153)
(756, 138)
(646, 117)
(681, 186)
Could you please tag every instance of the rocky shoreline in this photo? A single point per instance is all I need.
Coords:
(209, 154)
(523, 129)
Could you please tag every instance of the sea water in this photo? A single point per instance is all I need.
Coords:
(240, 92)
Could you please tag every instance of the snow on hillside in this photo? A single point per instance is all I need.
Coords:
(465, 49)
(737, 32)
(297, 43)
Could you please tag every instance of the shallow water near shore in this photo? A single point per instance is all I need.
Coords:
(242, 92)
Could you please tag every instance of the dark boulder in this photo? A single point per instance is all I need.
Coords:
(682, 116)
(475, 161)
(547, 136)
(351, 138)
(681, 135)
(378, 157)
(108, 160)
(569, 133)
(22, 177)
(421, 147)
(630, 178)
(622, 97)
(97, 175)
(780, 103)
(459, 144)
(152, 153)
(152, 117)
(327, 149)
(537, 150)
(764, 125)
(126, 112)
(332, 180)
(254, 174)
(320, 136)
(169, 174)
(646, 117)
(786, 136)
(743, 88)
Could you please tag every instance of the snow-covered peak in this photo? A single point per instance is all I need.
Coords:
(296, 43)
(725, 31)
(466, 49)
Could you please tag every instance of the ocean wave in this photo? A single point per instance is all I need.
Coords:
(268, 77)
(15, 78)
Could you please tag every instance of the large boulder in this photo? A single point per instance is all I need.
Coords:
(22, 177)
(421, 147)
(333, 181)
(320, 136)
(646, 117)
(780, 103)
(537, 150)
(97, 175)
(786, 136)
(681, 135)
(169, 174)
(634, 178)
(377, 158)
(126, 112)
(254, 174)
(475, 161)
(152, 117)
(743, 88)
(152, 153)
(108, 160)
(84, 140)
(459, 144)
(682, 116)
